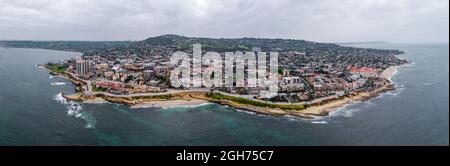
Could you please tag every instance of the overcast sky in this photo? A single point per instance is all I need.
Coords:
(315, 20)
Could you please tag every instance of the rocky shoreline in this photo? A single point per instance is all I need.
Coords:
(186, 99)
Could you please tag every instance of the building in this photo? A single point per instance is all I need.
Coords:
(82, 67)
(162, 71)
(364, 71)
(291, 84)
(109, 75)
(149, 66)
(148, 75)
(102, 66)
(108, 85)
(359, 83)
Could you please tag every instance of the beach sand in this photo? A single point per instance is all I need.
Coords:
(171, 103)
(389, 72)
(97, 100)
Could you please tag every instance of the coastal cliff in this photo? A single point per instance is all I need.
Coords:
(308, 111)
(183, 99)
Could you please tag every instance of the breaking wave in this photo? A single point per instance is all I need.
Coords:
(244, 111)
(343, 112)
(291, 118)
(397, 91)
(185, 106)
(319, 122)
(57, 83)
(74, 109)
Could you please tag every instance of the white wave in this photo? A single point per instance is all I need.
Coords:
(427, 83)
(319, 122)
(51, 76)
(182, 106)
(57, 83)
(397, 90)
(59, 98)
(89, 118)
(370, 103)
(316, 120)
(292, 118)
(198, 105)
(411, 64)
(142, 106)
(343, 112)
(74, 109)
(244, 111)
(90, 126)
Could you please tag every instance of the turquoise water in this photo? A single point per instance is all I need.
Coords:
(32, 113)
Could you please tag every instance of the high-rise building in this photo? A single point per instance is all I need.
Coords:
(82, 67)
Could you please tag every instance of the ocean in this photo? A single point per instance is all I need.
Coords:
(32, 111)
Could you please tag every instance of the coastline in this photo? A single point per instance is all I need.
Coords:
(191, 99)
(389, 72)
(362, 96)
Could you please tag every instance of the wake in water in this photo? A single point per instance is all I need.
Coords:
(74, 109)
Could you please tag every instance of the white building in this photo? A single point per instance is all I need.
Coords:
(292, 84)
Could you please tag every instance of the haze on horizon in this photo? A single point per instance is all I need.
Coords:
(412, 21)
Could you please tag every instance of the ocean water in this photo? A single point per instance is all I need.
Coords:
(32, 111)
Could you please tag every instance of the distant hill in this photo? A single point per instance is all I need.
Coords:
(233, 44)
(366, 42)
(79, 46)
(184, 43)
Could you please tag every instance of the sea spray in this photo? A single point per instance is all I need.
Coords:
(343, 112)
(74, 109)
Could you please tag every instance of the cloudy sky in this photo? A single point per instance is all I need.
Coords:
(315, 20)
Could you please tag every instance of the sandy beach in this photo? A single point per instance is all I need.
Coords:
(97, 100)
(171, 103)
(389, 72)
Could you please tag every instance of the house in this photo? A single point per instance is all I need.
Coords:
(364, 71)
(291, 84)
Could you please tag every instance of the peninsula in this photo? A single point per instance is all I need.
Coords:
(314, 78)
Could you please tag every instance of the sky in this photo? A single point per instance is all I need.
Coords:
(411, 21)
